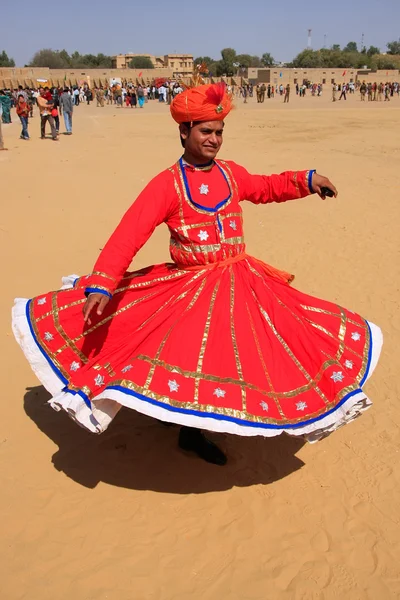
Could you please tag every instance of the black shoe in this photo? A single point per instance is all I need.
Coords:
(193, 440)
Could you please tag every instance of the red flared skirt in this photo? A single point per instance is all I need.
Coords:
(228, 349)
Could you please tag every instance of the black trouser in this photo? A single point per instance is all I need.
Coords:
(343, 95)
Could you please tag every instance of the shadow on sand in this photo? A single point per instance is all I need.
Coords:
(139, 453)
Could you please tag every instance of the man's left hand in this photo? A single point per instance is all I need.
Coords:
(318, 182)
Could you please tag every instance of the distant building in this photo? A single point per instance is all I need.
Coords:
(180, 64)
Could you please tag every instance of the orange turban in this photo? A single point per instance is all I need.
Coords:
(202, 103)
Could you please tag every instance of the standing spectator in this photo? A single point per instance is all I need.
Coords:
(31, 101)
(100, 96)
(363, 91)
(287, 93)
(55, 115)
(23, 113)
(140, 95)
(88, 95)
(5, 101)
(67, 106)
(45, 115)
(161, 93)
(343, 93)
(133, 98)
(76, 97)
(1, 133)
(21, 92)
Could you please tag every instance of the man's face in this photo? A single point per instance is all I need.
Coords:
(41, 91)
(203, 140)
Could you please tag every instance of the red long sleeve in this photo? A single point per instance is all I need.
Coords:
(151, 208)
(261, 189)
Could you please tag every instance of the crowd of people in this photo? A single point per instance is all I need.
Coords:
(56, 102)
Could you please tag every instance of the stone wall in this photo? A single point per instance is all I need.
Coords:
(28, 76)
(277, 75)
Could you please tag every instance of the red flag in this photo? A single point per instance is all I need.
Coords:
(141, 73)
(344, 73)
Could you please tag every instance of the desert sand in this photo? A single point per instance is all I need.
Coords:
(126, 515)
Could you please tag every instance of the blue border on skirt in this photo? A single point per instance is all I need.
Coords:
(196, 413)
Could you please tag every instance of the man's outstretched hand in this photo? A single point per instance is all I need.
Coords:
(318, 182)
(99, 300)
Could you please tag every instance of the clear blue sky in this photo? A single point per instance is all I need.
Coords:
(204, 28)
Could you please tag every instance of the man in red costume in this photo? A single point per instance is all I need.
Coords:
(216, 340)
(200, 113)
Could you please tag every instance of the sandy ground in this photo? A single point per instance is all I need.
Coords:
(125, 515)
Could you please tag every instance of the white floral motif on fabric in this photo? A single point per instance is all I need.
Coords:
(99, 380)
(126, 369)
(355, 336)
(348, 364)
(204, 189)
(337, 376)
(219, 393)
(48, 336)
(173, 385)
(233, 225)
(203, 236)
(301, 405)
(264, 406)
(74, 366)
(42, 301)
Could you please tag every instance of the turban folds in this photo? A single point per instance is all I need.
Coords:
(202, 103)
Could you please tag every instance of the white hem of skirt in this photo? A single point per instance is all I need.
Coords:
(107, 404)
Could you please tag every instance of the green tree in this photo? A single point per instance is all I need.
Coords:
(141, 62)
(225, 66)
(394, 47)
(5, 61)
(373, 50)
(336, 47)
(351, 47)
(256, 62)
(308, 59)
(267, 60)
(47, 58)
(63, 54)
(244, 60)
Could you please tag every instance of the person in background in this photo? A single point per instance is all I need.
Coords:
(23, 113)
(287, 93)
(21, 92)
(133, 98)
(76, 96)
(140, 95)
(363, 91)
(1, 133)
(67, 107)
(31, 101)
(343, 93)
(5, 101)
(55, 115)
(100, 97)
(45, 107)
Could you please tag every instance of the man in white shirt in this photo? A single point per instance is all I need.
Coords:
(161, 93)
